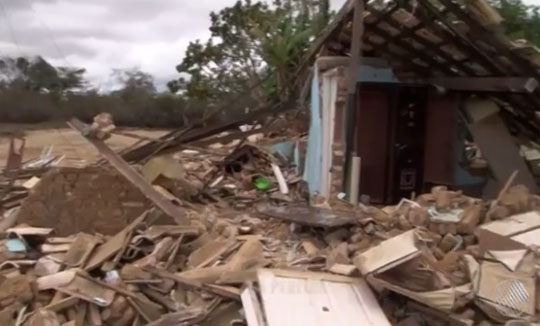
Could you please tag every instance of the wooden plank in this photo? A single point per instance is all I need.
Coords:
(252, 307)
(30, 231)
(130, 174)
(498, 147)
(354, 64)
(482, 84)
(89, 290)
(514, 225)
(356, 46)
(113, 245)
(289, 273)
(80, 250)
(62, 304)
(94, 316)
(195, 134)
(13, 164)
(193, 284)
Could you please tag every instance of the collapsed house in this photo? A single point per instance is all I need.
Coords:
(399, 89)
(261, 225)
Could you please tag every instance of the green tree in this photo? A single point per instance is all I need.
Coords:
(134, 81)
(254, 48)
(37, 75)
(72, 79)
(521, 21)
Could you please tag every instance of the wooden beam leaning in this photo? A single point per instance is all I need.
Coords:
(201, 132)
(130, 174)
(482, 84)
(497, 145)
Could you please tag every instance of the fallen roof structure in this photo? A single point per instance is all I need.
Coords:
(442, 42)
(401, 86)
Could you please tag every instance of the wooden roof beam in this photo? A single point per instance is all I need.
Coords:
(463, 40)
(411, 32)
(412, 50)
(483, 84)
(524, 66)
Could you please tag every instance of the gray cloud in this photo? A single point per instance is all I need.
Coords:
(104, 34)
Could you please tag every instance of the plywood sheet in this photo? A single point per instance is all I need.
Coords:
(528, 238)
(514, 224)
(313, 301)
(498, 147)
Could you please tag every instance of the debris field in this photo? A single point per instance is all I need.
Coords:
(225, 235)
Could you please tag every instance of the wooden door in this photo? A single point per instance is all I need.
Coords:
(372, 141)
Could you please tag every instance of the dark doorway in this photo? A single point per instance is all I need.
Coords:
(390, 130)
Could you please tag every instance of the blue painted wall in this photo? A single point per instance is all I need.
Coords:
(312, 166)
(462, 177)
(376, 71)
(372, 70)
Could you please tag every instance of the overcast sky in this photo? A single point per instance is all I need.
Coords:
(104, 34)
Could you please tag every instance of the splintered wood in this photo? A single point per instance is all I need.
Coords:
(245, 246)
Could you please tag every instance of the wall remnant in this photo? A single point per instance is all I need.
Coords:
(92, 200)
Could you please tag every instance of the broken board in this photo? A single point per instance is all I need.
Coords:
(388, 254)
(514, 225)
(313, 216)
(297, 299)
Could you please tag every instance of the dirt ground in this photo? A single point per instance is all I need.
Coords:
(78, 152)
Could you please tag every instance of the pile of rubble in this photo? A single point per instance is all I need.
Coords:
(233, 240)
(433, 251)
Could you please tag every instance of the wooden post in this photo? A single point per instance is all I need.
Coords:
(352, 76)
(356, 46)
(354, 182)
